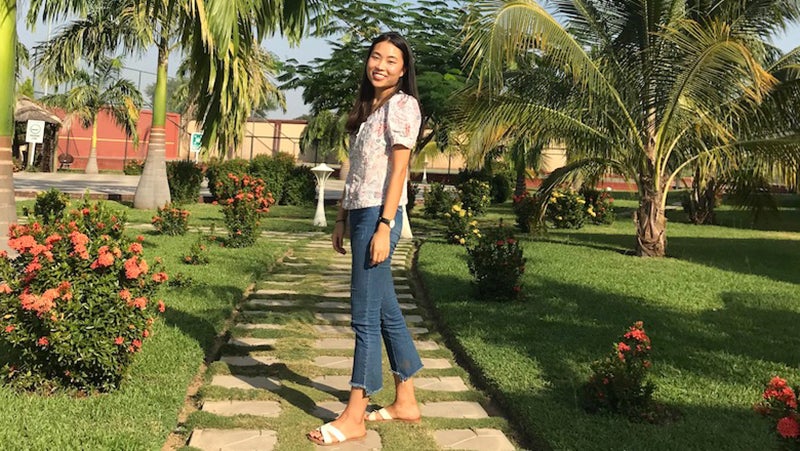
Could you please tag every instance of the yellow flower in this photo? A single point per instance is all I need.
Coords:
(473, 223)
(462, 241)
(456, 207)
(462, 213)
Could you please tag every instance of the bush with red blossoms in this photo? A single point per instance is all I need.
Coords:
(75, 305)
(171, 220)
(497, 264)
(244, 200)
(779, 404)
(618, 382)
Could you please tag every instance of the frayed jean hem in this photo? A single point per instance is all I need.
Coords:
(403, 377)
(367, 392)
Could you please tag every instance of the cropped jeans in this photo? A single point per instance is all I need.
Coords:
(374, 307)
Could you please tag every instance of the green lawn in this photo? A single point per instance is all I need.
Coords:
(144, 411)
(722, 312)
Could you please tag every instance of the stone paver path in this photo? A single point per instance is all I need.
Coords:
(285, 367)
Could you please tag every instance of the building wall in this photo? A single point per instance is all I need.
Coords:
(114, 148)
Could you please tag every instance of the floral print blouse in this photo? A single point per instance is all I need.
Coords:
(397, 122)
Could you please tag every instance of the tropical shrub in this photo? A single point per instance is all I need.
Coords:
(217, 172)
(525, 210)
(198, 252)
(243, 200)
(300, 187)
(412, 189)
(461, 228)
(500, 188)
(437, 201)
(133, 167)
(599, 206)
(274, 171)
(185, 178)
(75, 307)
(565, 209)
(171, 220)
(49, 206)
(779, 404)
(618, 382)
(496, 263)
(96, 219)
(475, 195)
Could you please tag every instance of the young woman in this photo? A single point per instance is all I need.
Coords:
(383, 127)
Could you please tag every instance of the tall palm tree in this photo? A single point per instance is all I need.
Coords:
(101, 90)
(226, 66)
(657, 85)
(8, 64)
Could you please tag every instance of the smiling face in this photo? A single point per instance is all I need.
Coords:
(385, 67)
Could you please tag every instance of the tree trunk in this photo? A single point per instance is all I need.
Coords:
(153, 188)
(8, 61)
(651, 224)
(521, 186)
(344, 169)
(8, 208)
(91, 163)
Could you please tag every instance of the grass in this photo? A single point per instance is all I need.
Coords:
(722, 311)
(144, 411)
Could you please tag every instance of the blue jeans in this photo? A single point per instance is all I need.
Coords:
(374, 307)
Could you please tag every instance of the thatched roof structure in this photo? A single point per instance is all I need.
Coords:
(27, 109)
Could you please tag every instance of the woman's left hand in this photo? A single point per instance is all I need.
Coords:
(379, 246)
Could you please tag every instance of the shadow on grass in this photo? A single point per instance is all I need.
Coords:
(535, 354)
(769, 257)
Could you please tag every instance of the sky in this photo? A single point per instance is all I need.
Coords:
(141, 68)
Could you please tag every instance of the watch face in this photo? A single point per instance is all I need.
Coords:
(391, 224)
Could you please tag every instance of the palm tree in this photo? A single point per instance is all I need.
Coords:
(228, 72)
(8, 65)
(657, 85)
(101, 90)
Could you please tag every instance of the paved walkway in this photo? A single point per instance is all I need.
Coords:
(286, 366)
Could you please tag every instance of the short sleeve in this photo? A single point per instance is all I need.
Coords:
(404, 120)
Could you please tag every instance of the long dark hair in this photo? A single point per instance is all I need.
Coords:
(366, 93)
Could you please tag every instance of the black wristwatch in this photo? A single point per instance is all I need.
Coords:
(389, 222)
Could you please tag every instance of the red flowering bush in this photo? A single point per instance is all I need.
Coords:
(198, 252)
(244, 200)
(96, 220)
(74, 308)
(171, 220)
(779, 403)
(497, 264)
(618, 381)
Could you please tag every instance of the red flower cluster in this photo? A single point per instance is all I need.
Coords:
(780, 391)
(780, 403)
(135, 267)
(40, 303)
(635, 341)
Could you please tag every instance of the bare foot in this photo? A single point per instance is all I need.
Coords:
(350, 429)
(408, 412)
